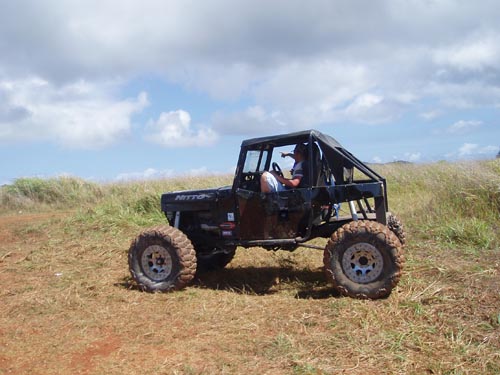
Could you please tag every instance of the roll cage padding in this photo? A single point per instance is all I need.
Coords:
(337, 157)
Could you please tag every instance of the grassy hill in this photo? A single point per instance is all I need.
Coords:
(69, 306)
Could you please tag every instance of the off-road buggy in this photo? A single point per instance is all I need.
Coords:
(343, 200)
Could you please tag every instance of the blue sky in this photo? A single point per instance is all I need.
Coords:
(117, 90)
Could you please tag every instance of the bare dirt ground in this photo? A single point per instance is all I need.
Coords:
(67, 306)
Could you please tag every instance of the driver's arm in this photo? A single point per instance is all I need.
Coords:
(293, 183)
(285, 154)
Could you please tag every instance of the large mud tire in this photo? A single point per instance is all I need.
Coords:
(394, 224)
(162, 259)
(363, 259)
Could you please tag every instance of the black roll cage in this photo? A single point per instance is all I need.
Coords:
(336, 161)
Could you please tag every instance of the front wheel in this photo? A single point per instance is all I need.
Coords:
(162, 259)
(363, 259)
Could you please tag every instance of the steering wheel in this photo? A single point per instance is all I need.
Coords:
(277, 169)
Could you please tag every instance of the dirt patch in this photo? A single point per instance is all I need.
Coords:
(21, 219)
(5, 362)
(11, 224)
(85, 361)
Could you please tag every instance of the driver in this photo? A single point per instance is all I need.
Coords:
(272, 182)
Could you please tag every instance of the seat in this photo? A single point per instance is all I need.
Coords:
(316, 165)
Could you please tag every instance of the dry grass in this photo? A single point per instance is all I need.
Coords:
(68, 305)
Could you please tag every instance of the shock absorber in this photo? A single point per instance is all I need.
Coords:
(354, 213)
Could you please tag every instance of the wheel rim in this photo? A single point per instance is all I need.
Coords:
(362, 263)
(156, 262)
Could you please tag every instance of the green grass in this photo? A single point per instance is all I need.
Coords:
(41, 194)
(454, 203)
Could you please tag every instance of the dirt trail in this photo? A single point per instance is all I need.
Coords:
(10, 223)
(9, 220)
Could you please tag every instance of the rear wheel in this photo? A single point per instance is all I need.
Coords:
(363, 259)
(394, 224)
(215, 261)
(162, 259)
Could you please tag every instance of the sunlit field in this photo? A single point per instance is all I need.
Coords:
(69, 306)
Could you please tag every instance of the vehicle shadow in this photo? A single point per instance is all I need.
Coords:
(308, 284)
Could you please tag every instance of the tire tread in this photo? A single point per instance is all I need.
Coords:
(183, 248)
(350, 232)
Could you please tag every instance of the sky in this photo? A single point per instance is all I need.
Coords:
(113, 90)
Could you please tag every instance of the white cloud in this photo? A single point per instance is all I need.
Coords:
(488, 150)
(471, 149)
(148, 174)
(464, 94)
(76, 115)
(478, 52)
(304, 94)
(430, 115)
(253, 120)
(365, 101)
(413, 156)
(202, 171)
(325, 84)
(467, 149)
(220, 81)
(313, 91)
(154, 174)
(310, 65)
(173, 129)
(370, 108)
(463, 127)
